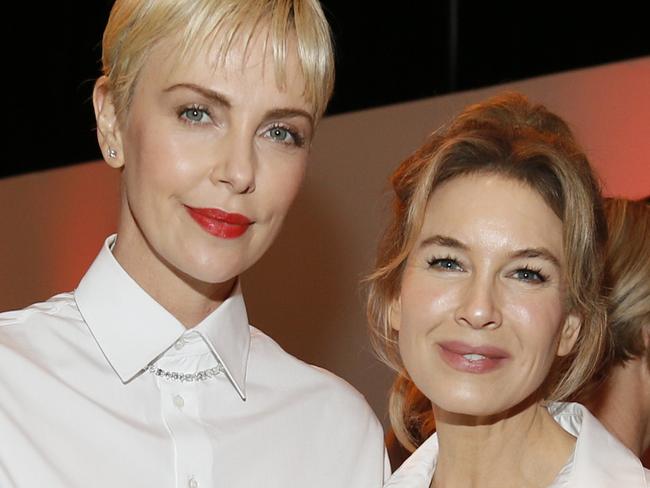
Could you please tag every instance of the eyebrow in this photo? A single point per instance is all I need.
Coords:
(531, 252)
(220, 99)
(537, 252)
(444, 241)
(283, 113)
(212, 95)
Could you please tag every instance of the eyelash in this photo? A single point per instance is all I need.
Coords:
(434, 262)
(298, 139)
(543, 278)
(197, 108)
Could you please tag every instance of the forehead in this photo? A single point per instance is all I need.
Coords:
(247, 62)
(492, 211)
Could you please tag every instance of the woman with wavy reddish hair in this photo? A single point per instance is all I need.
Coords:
(487, 301)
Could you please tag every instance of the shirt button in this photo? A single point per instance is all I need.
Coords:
(179, 401)
(178, 345)
(193, 483)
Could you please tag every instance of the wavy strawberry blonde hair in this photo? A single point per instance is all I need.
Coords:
(135, 26)
(511, 137)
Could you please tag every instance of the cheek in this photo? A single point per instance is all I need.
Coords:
(161, 159)
(292, 181)
(280, 187)
(539, 322)
(426, 306)
(425, 302)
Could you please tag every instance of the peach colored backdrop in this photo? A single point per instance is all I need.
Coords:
(305, 291)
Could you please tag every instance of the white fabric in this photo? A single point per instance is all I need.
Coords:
(77, 410)
(598, 461)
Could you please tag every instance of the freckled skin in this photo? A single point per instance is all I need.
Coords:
(476, 286)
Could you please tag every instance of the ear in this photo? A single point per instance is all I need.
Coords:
(108, 130)
(569, 334)
(395, 314)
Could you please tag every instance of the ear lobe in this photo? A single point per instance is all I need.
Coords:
(396, 314)
(108, 131)
(569, 334)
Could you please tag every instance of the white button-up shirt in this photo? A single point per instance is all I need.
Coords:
(78, 407)
(598, 461)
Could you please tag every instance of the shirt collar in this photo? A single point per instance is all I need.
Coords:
(599, 458)
(417, 470)
(132, 329)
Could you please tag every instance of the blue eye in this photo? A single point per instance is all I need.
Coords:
(195, 115)
(284, 135)
(530, 275)
(279, 134)
(445, 264)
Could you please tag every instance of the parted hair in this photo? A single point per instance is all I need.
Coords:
(509, 136)
(135, 26)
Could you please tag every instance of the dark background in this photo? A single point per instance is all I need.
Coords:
(387, 52)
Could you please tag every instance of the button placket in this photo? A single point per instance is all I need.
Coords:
(182, 414)
(179, 401)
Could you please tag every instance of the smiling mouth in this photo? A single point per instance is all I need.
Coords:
(472, 359)
(220, 223)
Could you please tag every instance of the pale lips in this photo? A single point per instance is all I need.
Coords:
(472, 359)
(474, 353)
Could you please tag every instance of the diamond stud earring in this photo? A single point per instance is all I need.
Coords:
(112, 153)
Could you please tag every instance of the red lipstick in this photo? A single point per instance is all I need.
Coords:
(472, 359)
(220, 223)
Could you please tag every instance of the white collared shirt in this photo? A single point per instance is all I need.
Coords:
(598, 461)
(78, 409)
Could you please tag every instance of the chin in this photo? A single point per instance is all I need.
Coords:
(482, 408)
(210, 271)
(213, 278)
(467, 402)
(471, 409)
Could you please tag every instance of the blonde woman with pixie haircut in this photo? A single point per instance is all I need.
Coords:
(487, 301)
(622, 398)
(149, 374)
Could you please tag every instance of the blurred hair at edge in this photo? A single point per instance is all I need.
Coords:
(627, 273)
(619, 382)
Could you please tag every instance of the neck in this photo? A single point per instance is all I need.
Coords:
(622, 404)
(187, 299)
(526, 448)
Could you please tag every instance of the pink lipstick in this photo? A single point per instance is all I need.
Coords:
(472, 359)
(220, 223)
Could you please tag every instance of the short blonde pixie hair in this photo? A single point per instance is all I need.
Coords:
(627, 273)
(135, 26)
(507, 136)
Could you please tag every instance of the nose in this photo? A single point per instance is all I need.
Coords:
(235, 164)
(478, 306)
